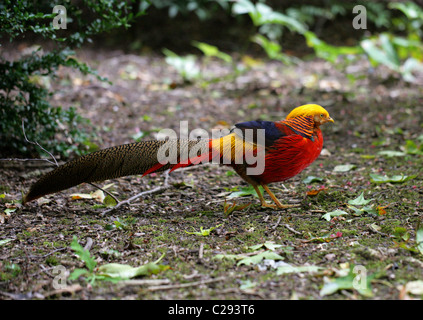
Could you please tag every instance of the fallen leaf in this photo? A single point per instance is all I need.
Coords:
(419, 239)
(259, 257)
(286, 269)
(381, 210)
(124, 271)
(359, 201)
(204, 232)
(328, 216)
(268, 245)
(344, 168)
(414, 287)
(315, 192)
(311, 179)
(246, 191)
(77, 196)
(353, 280)
(98, 195)
(391, 153)
(376, 178)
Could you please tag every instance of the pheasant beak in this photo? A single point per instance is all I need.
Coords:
(329, 119)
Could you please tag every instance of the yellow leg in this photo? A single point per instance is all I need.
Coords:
(278, 204)
(262, 201)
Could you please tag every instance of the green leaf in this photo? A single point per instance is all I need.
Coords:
(8, 211)
(124, 271)
(286, 269)
(311, 179)
(259, 257)
(412, 148)
(377, 178)
(380, 56)
(247, 284)
(245, 191)
(344, 168)
(359, 201)
(75, 274)
(84, 255)
(204, 232)
(109, 201)
(243, 7)
(368, 209)
(232, 257)
(268, 245)
(273, 49)
(326, 51)
(5, 241)
(348, 282)
(419, 240)
(410, 9)
(391, 153)
(212, 51)
(263, 14)
(186, 66)
(328, 216)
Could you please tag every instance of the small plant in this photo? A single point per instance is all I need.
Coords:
(24, 95)
(186, 66)
(203, 232)
(110, 271)
(228, 209)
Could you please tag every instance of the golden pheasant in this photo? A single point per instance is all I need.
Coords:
(286, 147)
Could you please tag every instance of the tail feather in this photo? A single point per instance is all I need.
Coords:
(125, 160)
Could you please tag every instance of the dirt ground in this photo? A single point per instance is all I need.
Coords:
(374, 111)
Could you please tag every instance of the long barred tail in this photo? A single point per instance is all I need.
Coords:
(130, 159)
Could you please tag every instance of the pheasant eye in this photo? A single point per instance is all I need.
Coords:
(321, 116)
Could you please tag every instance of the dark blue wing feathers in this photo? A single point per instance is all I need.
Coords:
(271, 131)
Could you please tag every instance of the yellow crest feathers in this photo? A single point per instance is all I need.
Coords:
(307, 110)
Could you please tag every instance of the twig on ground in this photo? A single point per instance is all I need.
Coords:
(290, 229)
(277, 222)
(143, 282)
(128, 201)
(185, 285)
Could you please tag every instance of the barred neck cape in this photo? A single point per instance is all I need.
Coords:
(301, 125)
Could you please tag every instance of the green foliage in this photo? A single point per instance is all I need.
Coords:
(272, 48)
(400, 54)
(23, 99)
(83, 254)
(110, 271)
(262, 14)
(350, 281)
(186, 66)
(390, 51)
(212, 51)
